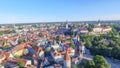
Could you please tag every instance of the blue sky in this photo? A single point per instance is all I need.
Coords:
(24, 11)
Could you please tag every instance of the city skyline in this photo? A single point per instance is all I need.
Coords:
(25, 11)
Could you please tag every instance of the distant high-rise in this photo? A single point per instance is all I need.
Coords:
(66, 24)
(99, 23)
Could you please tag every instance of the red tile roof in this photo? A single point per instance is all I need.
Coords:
(67, 57)
(7, 54)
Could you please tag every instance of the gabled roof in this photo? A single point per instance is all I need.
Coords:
(37, 49)
(2, 56)
(21, 46)
(44, 32)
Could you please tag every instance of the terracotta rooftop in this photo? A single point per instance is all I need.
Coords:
(2, 56)
(44, 32)
(7, 54)
(67, 57)
(21, 46)
(37, 48)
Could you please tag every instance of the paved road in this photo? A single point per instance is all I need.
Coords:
(88, 57)
(113, 64)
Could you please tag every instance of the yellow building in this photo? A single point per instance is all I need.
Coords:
(21, 52)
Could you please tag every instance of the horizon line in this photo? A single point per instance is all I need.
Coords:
(42, 22)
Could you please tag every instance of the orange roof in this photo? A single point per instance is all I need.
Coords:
(44, 32)
(67, 57)
(21, 46)
(30, 43)
(7, 54)
(11, 38)
(17, 48)
(37, 48)
(1, 56)
(1, 38)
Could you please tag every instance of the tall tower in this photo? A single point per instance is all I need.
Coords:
(78, 38)
(66, 24)
(67, 61)
(99, 24)
(81, 48)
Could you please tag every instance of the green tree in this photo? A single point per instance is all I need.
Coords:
(97, 62)
(104, 44)
(17, 56)
(88, 44)
(116, 52)
(21, 40)
(1, 42)
(21, 64)
(1, 32)
(6, 47)
(90, 28)
(100, 62)
(90, 64)
(47, 49)
(72, 44)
